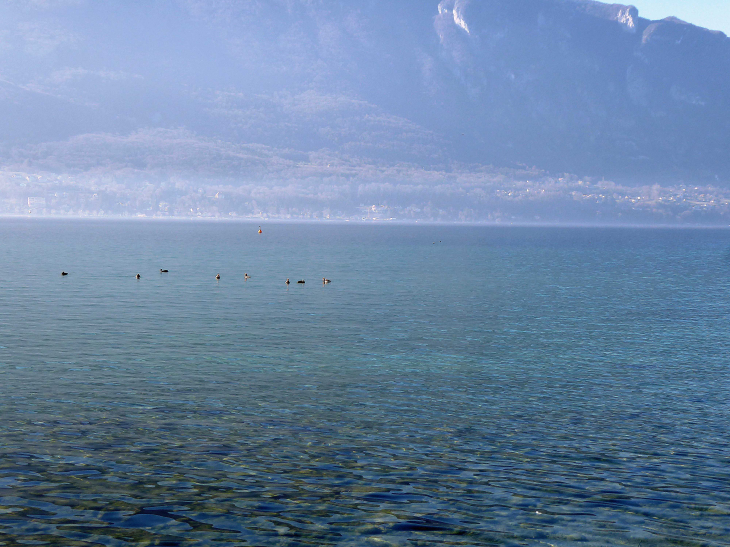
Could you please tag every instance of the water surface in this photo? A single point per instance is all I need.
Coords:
(451, 386)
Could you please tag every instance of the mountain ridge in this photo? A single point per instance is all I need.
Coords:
(368, 92)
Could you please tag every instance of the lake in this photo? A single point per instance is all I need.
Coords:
(453, 385)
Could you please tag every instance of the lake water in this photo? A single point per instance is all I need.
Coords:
(451, 386)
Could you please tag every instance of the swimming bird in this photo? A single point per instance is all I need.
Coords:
(64, 273)
(301, 281)
(163, 271)
(287, 280)
(138, 276)
(246, 276)
(325, 281)
(217, 276)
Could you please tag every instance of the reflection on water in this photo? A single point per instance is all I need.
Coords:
(504, 387)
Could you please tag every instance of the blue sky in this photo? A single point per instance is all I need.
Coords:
(712, 14)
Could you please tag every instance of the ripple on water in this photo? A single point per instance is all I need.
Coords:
(576, 393)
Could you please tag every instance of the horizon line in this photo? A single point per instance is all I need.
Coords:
(366, 222)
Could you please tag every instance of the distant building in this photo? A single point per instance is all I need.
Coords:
(36, 203)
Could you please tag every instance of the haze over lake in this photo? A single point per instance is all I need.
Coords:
(376, 272)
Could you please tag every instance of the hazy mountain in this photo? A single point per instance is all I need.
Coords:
(289, 89)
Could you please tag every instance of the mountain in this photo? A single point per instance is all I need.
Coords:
(590, 87)
(363, 91)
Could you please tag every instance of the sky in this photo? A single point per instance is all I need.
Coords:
(712, 14)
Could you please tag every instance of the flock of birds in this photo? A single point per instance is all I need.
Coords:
(325, 281)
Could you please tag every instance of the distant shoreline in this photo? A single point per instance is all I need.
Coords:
(371, 222)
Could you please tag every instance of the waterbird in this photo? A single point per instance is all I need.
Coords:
(301, 281)
(138, 276)
(163, 271)
(287, 280)
(217, 276)
(246, 276)
(325, 281)
(64, 273)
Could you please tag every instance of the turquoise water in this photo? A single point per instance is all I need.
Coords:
(451, 386)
